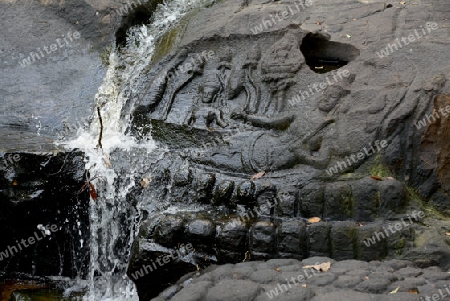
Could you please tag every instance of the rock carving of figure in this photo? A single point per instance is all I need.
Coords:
(280, 64)
(205, 106)
(252, 88)
(180, 81)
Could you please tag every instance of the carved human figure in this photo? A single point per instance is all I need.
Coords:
(205, 106)
(279, 66)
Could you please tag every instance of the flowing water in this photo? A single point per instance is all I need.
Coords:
(118, 166)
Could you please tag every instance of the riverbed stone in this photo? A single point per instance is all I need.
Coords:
(264, 283)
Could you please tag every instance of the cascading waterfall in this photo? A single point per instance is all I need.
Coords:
(114, 167)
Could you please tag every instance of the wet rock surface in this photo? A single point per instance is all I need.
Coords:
(262, 125)
(266, 124)
(38, 192)
(50, 95)
(288, 279)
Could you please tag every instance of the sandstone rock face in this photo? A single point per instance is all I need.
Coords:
(270, 121)
(267, 114)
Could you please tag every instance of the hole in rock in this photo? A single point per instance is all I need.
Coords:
(139, 15)
(323, 56)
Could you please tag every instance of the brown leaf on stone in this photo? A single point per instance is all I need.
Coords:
(414, 291)
(303, 285)
(448, 233)
(277, 269)
(377, 178)
(258, 175)
(313, 220)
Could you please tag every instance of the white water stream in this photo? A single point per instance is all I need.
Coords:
(113, 221)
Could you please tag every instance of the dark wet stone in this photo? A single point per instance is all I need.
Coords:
(246, 193)
(292, 239)
(319, 239)
(204, 185)
(231, 241)
(222, 195)
(343, 239)
(169, 231)
(263, 240)
(369, 246)
(41, 189)
(311, 200)
(200, 233)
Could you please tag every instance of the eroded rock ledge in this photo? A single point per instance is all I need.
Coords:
(349, 280)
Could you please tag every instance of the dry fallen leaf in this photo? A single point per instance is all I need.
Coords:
(319, 23)
(258, 175)
(390, 178)
(14, 183)
(377, 178)
(313, 220)
(366, 278)
(145, 181)
(303, 285)
(277, 269)
(448, 233)
(395, 291)
(414, 291)
(322, 267)
(92, 191)
(402, 2)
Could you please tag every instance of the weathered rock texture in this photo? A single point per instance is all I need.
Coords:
(236, 93)
(287, 279)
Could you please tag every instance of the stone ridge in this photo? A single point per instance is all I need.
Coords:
(345, 280)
